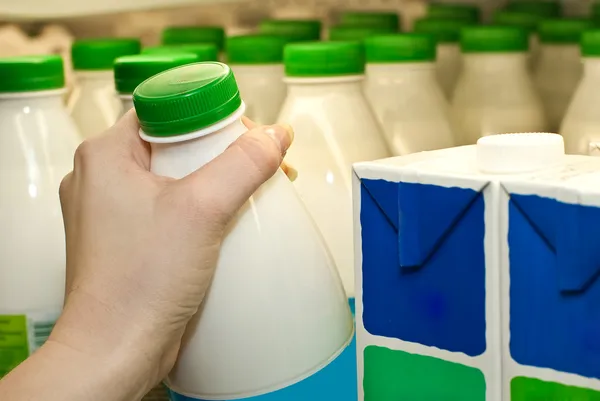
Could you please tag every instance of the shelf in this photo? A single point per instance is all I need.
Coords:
(53, 9)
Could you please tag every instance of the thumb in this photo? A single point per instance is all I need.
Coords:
(222, 186)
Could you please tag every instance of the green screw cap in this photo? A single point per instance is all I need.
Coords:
(100, 54)
(180, 35)
(541, 8)
(408, 47)
(563, 31)
(445, 30)
(203, 51)
(467, 12)
(356, 33)
(292, 30)
(324, 59)
(130, 71)
(595, 9)
(493, 39)
(385, 20)
(590, 43)
(255, 49)
(528, 22)
(186, 99)
(31, 73)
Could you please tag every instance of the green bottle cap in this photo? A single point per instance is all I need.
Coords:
(180, 35)
(563, 31)
(590, 43)
(324, 59)
(203, 51)
(467, 12)
(356, 33)
(445, 30)
(528, 22)
(493, 39)
(186, 99)
(596, 9)
(399, 48)
(130, 71)
(541, 8)
(385, 20)
(255, 49)
(292, 30)
(31, 73)
(100, 54)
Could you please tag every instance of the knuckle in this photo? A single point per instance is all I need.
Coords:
(65, 186)
(261, 151)
(83, 153)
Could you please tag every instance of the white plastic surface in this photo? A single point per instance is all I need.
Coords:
(556, 75)
(94, 104)
(581, 125)
(334, 128)
(519, 153)
(495, 94)
(276, 311)
(448, 65)
(410, 106)
(262, 89)
(37, 144)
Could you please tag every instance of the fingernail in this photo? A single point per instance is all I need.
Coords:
(282, 135)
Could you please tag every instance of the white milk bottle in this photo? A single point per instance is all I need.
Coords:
(130, 71)
(203, 51)
(183, 35)
(334, 127)
(495, 93)
(276, 311)
(449, 60)
(581, 125)
(527, 22)
(404, 93)
(559, 68)
(37, 141)
(292, 30)
(387, 20)
(257, 63)
(93, 104)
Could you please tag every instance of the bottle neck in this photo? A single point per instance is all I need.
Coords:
(312, 87)
(494, 63)
(417, 72)
(553, 53)
(591, 67)
(38, 99)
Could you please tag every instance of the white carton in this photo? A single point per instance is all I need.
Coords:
(472, 285)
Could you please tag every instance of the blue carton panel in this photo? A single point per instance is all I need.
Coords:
(423, 264)
(554, 294)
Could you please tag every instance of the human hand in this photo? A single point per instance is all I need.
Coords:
(141, 249)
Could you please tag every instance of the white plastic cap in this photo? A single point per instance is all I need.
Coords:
(519, 153)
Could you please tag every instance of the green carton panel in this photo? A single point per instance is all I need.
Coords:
(528, 389)
(391, 375)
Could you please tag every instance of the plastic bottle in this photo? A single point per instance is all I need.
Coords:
(183, 35)
(38, 140)
(528, 22)
(334, 127)
(449, 60)
(495, 93)
(541, 8)
(292, 30)
(203, 51)
(468, 12)
(559, 68)
(276, 311)
(257, 62)
(356, 33)
(404, 93)
(386, 20)
(93, 103)
(130, 71)
(581, 125)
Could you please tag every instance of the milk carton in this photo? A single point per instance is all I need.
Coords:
(476, 273)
